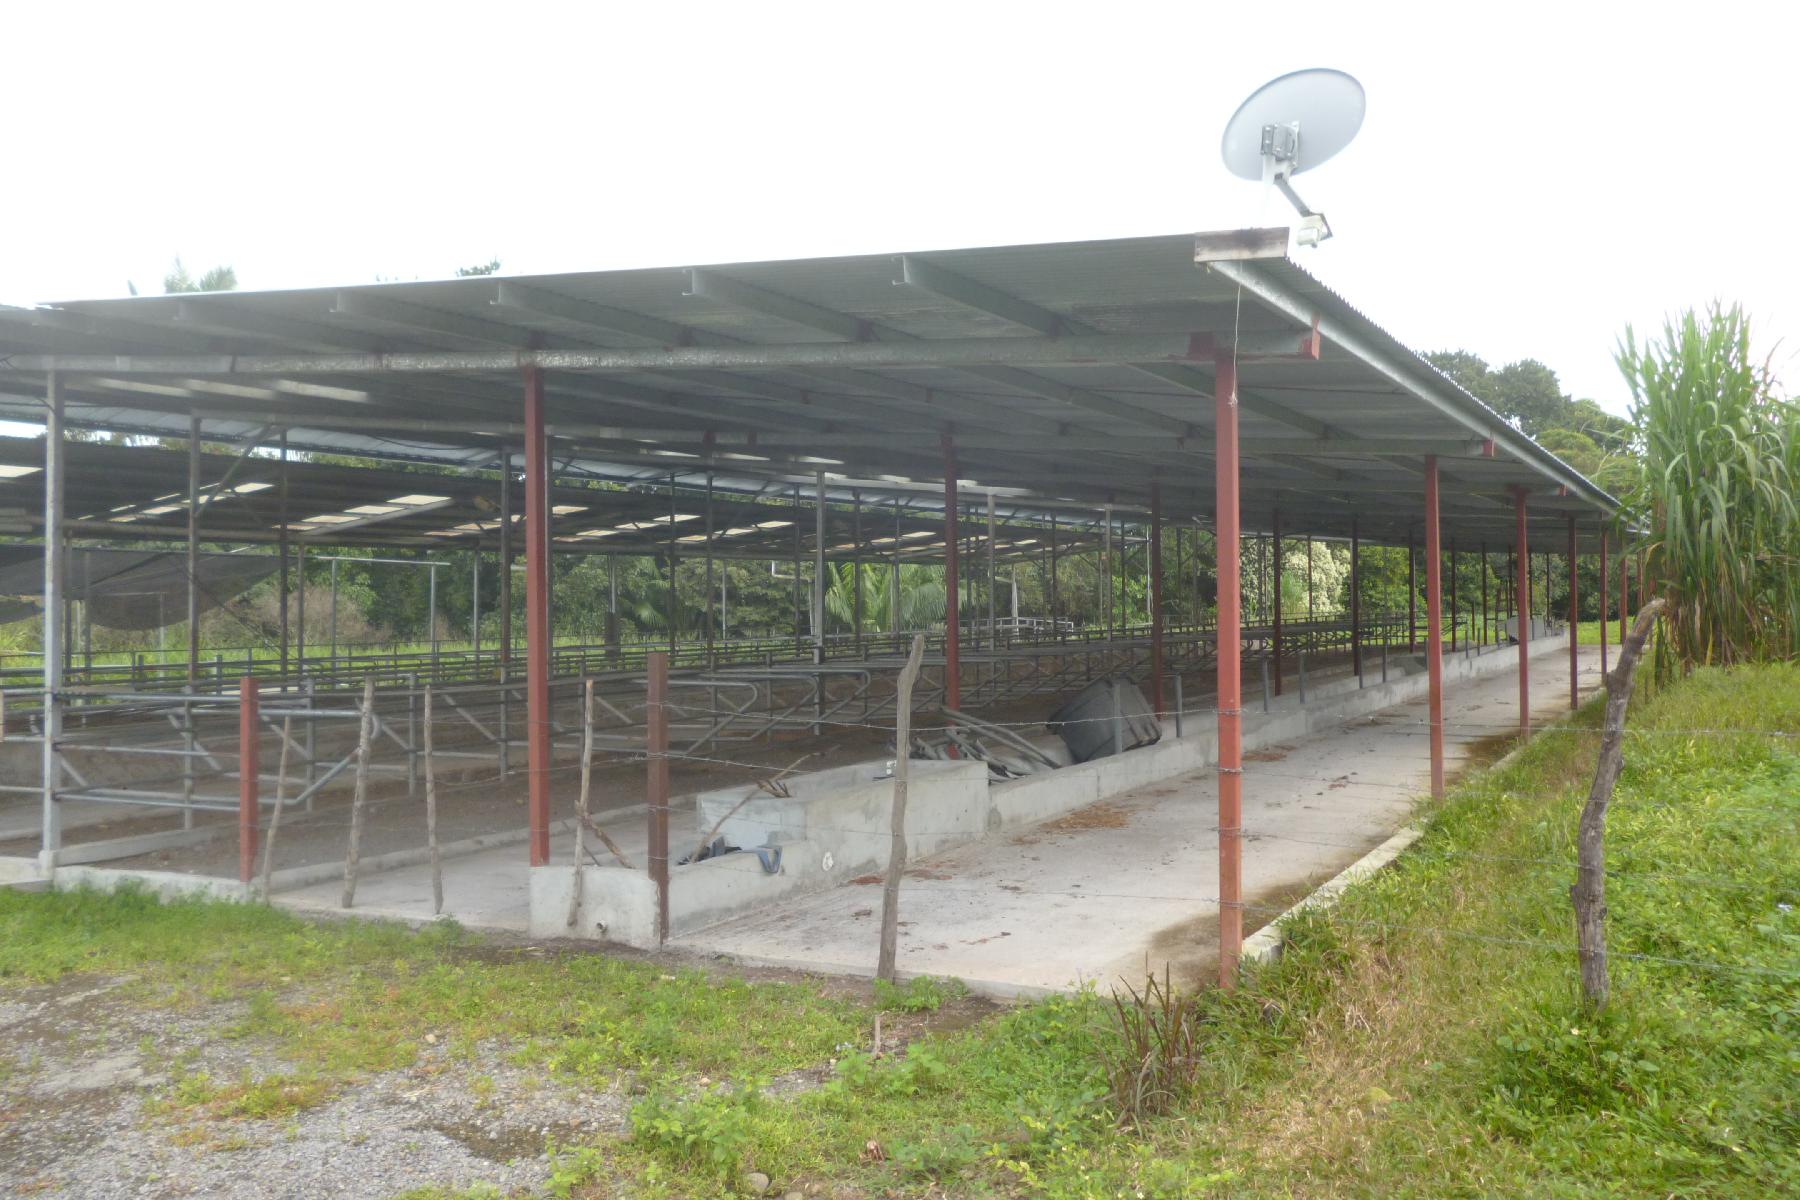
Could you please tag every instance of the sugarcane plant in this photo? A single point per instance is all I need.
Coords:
(1714, 509)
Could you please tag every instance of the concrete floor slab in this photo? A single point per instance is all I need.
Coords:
(1130, 884)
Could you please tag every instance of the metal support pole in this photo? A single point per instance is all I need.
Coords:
(332, 669)
(1412, 596)
(1230, 664)
(55, 567)
(1356, 656)
(1486, 628)
(299, 613)
(1156, 604)
(431, 611)
(282, 552)
(1434, 626)
(818, 602)
(1055, 608)
(952, 634)
(504, 599)
(1454, 617)
(1106, 570)
(1574, 620)
(1603, 596)
(193, 552)
(537, 619)
(656, 793)
(1275, 580)
(249, 734)
(1523, 610)
(894, 579)
(711, 615)
(992, 582)
(475, 605)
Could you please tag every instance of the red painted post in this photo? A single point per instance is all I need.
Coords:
(1156, 612)
(1275, 568)
(1434, 626)
(1522, 609)
(656, 790)
(1603, 595)
(952, 634)
(1574, 620)
(1230, 661)
(537, 620)
(249, 764)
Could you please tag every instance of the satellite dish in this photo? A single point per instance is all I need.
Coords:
(1291, 124)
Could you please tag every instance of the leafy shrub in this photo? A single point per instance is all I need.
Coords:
(712, 1130)
(921, 993)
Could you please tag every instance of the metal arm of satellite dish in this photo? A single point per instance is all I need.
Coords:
(1280, 152)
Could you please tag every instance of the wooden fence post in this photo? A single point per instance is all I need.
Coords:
(431, 835)
(581, 799)
(365, 734)
(1589, 891)
(268, 856)
(890, 891)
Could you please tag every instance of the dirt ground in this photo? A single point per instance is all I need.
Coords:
(91, 1105)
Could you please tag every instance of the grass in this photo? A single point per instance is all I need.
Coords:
(1423, 1039)
(353, 996)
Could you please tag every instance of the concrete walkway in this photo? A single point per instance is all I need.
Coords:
(1130, 884)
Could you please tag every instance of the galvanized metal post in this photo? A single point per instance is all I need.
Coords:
(475, 605)
(1275, 598)
(55, 567)
(656, 793)
(282, 552)
(1523, 610)
(299, 612)
(1434, 626)
(1574, 620)
(1156, 605)
(537, 619)
(1230, 673)
(952, 634)
(993, 633)
(249, 733)
(711, 617)
(1356, 656)
(332, 669)
(431, 608)
(1603, 596)
(1412, 596)
(504, 599)
(818, 603)
(193, 552)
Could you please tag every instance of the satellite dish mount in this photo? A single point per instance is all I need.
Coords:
(1280, 158)
(1292, 124)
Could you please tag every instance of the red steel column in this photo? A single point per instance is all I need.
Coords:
(1156, 612)
(1434, 626)
(1522, 608)
(1275, 571)
(1574, 619)
(1230, 658)
(537, 619)
(1603, 621)
(952, 634)
(249, 764)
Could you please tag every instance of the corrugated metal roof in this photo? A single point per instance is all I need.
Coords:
(1325, 441)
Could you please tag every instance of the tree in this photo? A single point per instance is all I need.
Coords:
(490, 267)
(219, 279)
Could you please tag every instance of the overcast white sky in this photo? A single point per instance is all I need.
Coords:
(1528, 180)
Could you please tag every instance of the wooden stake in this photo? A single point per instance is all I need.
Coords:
(268, 862)
(431, 837)
(890, 892)
(365, 734)
(581, 799)
(1589, 892)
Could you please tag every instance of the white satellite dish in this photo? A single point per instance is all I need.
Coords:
(1291, 124)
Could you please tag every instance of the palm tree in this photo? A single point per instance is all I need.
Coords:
(920, 598)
